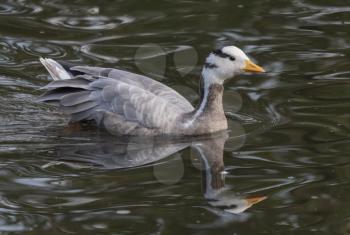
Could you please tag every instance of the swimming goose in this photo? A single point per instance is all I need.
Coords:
(125, 103)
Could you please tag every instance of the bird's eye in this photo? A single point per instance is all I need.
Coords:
(232, 58)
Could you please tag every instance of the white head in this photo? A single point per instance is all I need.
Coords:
(227, 62)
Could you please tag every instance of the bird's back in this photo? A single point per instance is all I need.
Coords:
(125, 103)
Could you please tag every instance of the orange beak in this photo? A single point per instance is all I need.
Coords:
(251, 67)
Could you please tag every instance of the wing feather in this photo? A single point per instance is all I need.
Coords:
(140, 81)
(134, 104)
(76, 98)
(78, 108)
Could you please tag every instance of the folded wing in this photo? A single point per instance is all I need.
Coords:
(131, 103)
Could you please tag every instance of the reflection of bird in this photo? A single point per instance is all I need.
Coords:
(217, 195)
(130, 104)
(111, 153)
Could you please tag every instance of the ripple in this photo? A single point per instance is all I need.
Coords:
(12, 7)
(334, 76)
(40, 48)
(325, 15)
(17, 52)
(90, 22)
(92, 51)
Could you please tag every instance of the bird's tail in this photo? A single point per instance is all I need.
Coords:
(55, 69)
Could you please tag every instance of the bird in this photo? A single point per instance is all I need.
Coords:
(125, 103)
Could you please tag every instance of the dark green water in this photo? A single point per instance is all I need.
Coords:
(289, 128)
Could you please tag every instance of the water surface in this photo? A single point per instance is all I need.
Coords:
(287, 147)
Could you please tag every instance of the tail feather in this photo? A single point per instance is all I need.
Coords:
(57, 94)
(56, 70)
(72, 91)
(78, 108)
(72, 83)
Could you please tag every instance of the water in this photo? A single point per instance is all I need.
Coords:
(285, 165)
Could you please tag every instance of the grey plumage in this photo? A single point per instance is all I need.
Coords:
(139, 81)
(56, 94)
(75, 98)
(125, 103)
(77, 82)
(78, 108)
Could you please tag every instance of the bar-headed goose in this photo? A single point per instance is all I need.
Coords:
(130, 104)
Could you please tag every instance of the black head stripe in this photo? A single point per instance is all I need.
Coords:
(219, 53)
(210, 66)
(222, 54)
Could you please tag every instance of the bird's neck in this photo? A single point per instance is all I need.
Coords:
(209, 115)
(211, 93)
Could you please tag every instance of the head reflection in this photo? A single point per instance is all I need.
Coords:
(218, 195)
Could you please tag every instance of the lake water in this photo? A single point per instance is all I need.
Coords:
(282, 168)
